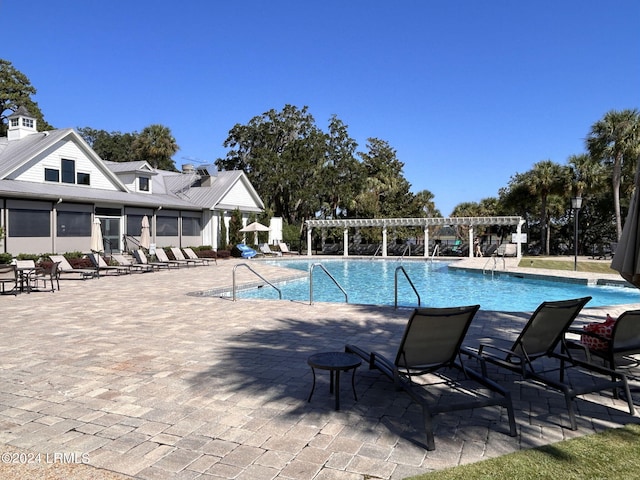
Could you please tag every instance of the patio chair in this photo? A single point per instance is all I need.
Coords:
(101, 265)
(542, 339)
(285, 249)
(431, 345)
(178, 255)
(623, 342)
(65, 268)
(9, 276)
(44, 276)
(161, 255)
(191, 255)
(133, 267)
(266, 250)
(141, 258)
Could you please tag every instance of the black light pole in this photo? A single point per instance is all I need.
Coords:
(576, 205)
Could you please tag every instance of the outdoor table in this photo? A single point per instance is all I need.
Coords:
(24, 275)
(334, 362)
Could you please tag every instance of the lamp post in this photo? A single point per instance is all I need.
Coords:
(576, 205)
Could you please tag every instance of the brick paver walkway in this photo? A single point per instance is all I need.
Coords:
(133, 376)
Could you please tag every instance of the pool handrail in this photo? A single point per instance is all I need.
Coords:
(401, 268)
(255, 273)
(346, 297)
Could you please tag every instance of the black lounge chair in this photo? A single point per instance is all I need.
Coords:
(431, 345)
(624, 341)
(543, 338)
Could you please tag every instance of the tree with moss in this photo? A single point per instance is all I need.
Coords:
(16, 91)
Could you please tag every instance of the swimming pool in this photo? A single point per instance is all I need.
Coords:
(372, 283)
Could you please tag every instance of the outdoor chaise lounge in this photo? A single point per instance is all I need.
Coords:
(67, 269)
(178, 255)
(102, 266)
(538, 343)
(141, 258)
(430, 349)
(162, 257)
(191, 255)
(615, 349)
(266, 250)
(284, 248)
(133, 267)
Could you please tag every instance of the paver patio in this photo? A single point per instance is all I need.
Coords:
(136, 377)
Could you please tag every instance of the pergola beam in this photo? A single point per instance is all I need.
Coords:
(384, 223)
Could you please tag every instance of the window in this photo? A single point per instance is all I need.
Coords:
(27, 122)
(68, 171)
(14, 122)
(29, 223)
(134, 225)
(51, 175)
(143, 184)
(74, 224)
(167, 226)
(84, 179)
(191, 227)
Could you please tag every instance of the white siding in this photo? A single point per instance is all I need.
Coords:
(70, 151)
(239, 196)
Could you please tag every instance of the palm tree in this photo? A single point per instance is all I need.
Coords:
(156, 145)
(545, 179)
(615, 140)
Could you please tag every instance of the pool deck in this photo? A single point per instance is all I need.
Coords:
(135, 377)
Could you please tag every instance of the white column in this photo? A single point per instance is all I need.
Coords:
(471, 252)
(519, 244)
(384, 241)
(426, 241)
(345, 239)
(309, 229)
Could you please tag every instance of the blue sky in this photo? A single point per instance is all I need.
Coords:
(467, 92)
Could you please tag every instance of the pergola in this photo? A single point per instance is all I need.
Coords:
(385, 223)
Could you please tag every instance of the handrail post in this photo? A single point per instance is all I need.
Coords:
(401, 268)
(255, 273)
(346, 297)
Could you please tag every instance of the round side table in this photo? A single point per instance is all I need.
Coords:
(334, 362)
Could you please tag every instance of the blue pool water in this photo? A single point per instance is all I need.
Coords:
(372, 283)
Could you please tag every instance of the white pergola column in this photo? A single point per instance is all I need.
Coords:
(426, 241)
(519, 244)
(384, 241)
(471, 247)
(309, 229)
(345, 239)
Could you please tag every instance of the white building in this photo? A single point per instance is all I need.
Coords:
(52, 186)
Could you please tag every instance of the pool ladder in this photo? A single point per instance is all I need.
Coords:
(495, 264)
(319, 265)
(255, 273)
(406, 275)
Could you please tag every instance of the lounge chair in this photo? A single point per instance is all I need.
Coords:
(191, 255)
(67, 269)
(178, 255)
(133, 267)
(266, 250)
(161, 255)
(623, 342)
(102, 266)
(141, 258)
(285, 249)
(431, 345)
(539, 342)
(9, 276)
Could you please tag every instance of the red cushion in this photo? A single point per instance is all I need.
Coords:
(604, 329)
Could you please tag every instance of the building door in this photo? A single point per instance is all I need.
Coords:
(111, 234)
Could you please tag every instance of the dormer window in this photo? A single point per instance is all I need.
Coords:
(14, 122)
(27, 122)
(143, 184)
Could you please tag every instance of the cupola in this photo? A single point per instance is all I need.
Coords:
(21, 124)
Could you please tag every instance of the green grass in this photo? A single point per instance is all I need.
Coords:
(583, 266)
(613, 454)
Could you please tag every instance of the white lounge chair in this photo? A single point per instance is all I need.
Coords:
(132, 267)
(65, 268)
(265, 249)
(179, 256)
(191, 255)
(285, 249)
